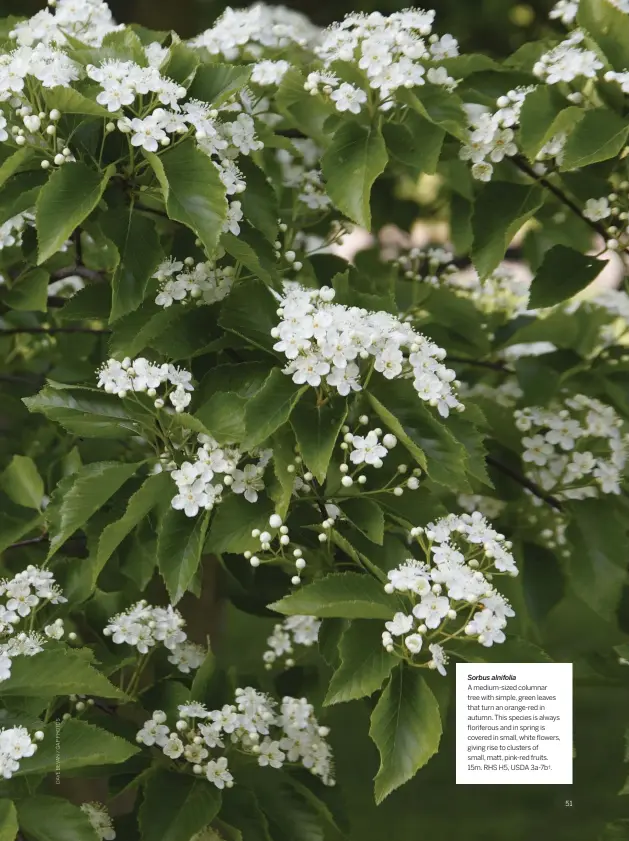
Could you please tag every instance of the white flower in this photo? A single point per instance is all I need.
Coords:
(367, 449)
(432, 609)
(173, 746)
(439, 659)
(100, 820)
(153, 733)
(269, 72)
(348, 98)
(216, 771)
(414, 643)
(597, 209)
(248, 481)
(399, 625)
(270, 754)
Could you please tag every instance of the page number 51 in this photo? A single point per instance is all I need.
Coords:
(568, 803)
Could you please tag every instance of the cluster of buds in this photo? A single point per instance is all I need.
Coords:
(280, 552)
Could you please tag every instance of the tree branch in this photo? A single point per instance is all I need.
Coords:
(526, 483)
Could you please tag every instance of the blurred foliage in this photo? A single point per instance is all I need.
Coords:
(497, 27)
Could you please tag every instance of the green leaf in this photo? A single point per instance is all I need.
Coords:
(179, 546)
(233, 522)
(181, 64)
(194, 193)
(545, 114)
(155, 490)
(76, 744)
(406, 728)
(22, 483)
(256, 255)
(250, 311)
(345, 595)
(609, 26)
(176, 806)
(563, 273)
(80, 495)
(215, 83)
(500, 211)
(30, 292)
(270, 408)
(281, 491)
(16, 522)
(598, 561)
(441, 107)
(8, 821)
(600, 135)
(65, 201)
(365, 664)
(14, 163)
(317, 429)
(259, 201)
(90, 414)
(241, 809)
(45, 818)
(351, 164)
(56, 672)
(136, 239)
(394, 425)
(366, 516)
(70, 101)
(417, 143)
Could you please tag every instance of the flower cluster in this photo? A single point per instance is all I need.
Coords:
(567, 61)
(143, 626)
(204, 282)
(287, 635)
(100, 820)
(506, 393)
(505, 290)
(254, 725)
(492, 135)
(140, 375)
(15, 744)
(615, 208)
(324, 342)
(299, 173)
(52, 67)
(393, 52)
(123, 81)
(194, 478)
(89, 21)
(11, 231)
(433, 265)
(247, 33)
(26, 593)
(449, 593)
(574, 450)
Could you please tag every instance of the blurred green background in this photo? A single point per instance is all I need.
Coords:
(490, 26)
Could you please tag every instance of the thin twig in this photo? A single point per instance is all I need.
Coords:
(525, 167)
(51, 330)
(78, 271)
(78, 247)
(31, 541)
(481, 363)
(526, 483)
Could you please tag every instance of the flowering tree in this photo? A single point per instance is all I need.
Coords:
(389, 461)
